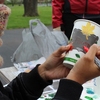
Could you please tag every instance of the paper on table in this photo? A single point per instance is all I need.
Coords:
(8, 74)
(86, 86)
(29, 65)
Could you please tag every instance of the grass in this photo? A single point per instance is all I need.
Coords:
(16, 19)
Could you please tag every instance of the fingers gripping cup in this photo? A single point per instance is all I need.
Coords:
(84, 33)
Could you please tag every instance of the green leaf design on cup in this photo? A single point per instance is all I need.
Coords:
(77, 55)
(52, 95)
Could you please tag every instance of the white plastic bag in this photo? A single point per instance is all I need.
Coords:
(46, 40)
(27, 50)
(38, 41)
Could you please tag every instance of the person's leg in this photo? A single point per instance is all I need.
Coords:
(68, 20)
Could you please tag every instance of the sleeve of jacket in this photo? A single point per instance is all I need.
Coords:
(57, 13)
(68, 90)
(27, 86)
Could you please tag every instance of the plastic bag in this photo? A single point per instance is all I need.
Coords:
(27, 50)
(46, 40)
(38, 41)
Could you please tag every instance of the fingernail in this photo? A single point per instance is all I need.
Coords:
(71, 47)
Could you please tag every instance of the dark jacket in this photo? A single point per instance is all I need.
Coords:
(29, 86)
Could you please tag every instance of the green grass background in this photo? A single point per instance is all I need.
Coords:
(16, 19)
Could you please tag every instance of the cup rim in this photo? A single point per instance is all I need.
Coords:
(87, 21)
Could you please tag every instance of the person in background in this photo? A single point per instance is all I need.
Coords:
(30, 86)
(4, 15)
(2, 1)
(65, 12)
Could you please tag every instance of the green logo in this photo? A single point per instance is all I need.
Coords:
(70, 59)
(77, 55)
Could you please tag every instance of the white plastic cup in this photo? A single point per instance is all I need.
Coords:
(84, 33)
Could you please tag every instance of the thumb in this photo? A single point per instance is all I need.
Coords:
(62, 49)
(92, 51)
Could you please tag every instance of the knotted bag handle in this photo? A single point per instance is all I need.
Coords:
(32, 26)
